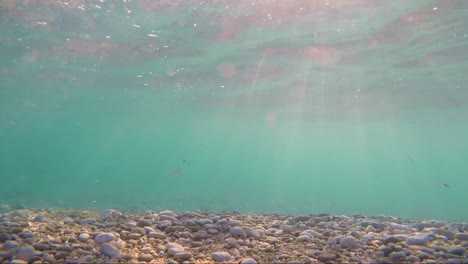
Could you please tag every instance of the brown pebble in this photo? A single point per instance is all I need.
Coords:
(145, 257)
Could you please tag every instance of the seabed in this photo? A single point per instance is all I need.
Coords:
(111, 236)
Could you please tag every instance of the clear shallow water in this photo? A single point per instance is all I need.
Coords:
(305, 107)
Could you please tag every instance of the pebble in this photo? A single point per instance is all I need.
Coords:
(324, 257)
(109, 250)
(421, 239)
(145, 257)
(462, 236)
(104, 238)
(349, 242)
(158, 235)
(302, 238)
(221, 256)
(183, 256)
(83, 237)
(25, 253)
(237, 232)
(397, 256)
(248, 261)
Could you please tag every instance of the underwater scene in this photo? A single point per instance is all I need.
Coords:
(233, 131)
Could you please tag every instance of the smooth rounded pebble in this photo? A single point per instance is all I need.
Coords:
(396, 256)
(157, 235)
(104, 238)
(83, 237)
(462, 236)
(349, 242)
(249, 261)
(221, 256)
(183, 256)
(109, 250)
(237, 231)
(25, 253)
(418, 240)
(302, 238)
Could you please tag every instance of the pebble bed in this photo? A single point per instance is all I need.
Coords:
(110, 236)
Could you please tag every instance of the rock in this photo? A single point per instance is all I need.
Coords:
(462, 236)
(387, 250)
(145, 257)
(174, 248)
(413, 259)
(221, 256)
(168, 218)
(248, 261)
(370, 228)
(287, 228)
(148, 229)
(183, 256)
(303, 238)
(18, 261)
(39, 219)
(164, 224)
(144, 222)
(41, 246)
(390, 239)
(167, 212)
(26, 253)
(133, 236)
(420, 239)
(104, 238)
(237, 232)
(9, 244)
(397, 256)
(158, 235)
(324, 257)
(83, 237)
(251, 232)
(109, 250)
(349, 242)
(457, 251)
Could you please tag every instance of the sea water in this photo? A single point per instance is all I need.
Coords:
(342, 107)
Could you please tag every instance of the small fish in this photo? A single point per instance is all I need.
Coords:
(446, 185)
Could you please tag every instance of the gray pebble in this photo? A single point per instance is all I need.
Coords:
(26, 253)
(237, 231)
(133, 236)
(457, 251)
(157, 235)
(248, 261)
(183, 256)
(145, 257)
(144, 222)
(421, 239)
(251, 232)
(104, 237)
(413, 259)
(168, 218)
(397, 256)
(83, 237)
(302, 238)
(462, 236)
(221, 256)
(175, 250)
(109, 250)
(349, 242)
(324, 257)
(148, 229)
(9, 244)
(164, 224)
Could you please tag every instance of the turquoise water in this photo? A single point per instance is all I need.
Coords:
(343, 107)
